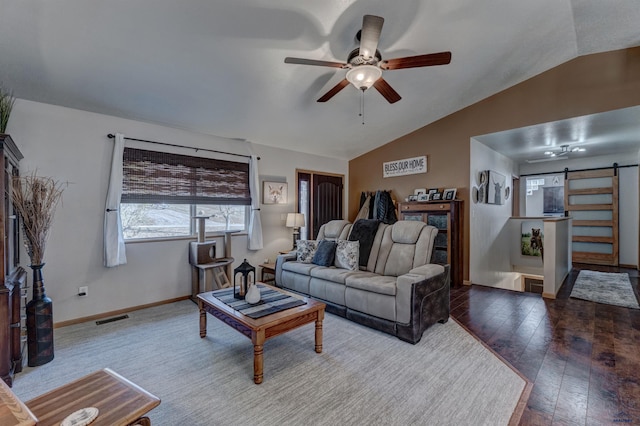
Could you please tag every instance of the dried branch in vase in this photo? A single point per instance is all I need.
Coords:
(6, 105)
(35, 198)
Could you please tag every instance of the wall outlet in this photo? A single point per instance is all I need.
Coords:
(83, 291)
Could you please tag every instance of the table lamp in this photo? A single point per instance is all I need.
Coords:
(295, 221)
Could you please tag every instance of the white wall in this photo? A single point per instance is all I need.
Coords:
(72, 145)
(489, 239)
(628, 195)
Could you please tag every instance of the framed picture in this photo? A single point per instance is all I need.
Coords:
(435, 196)
(532, 238)
(423, 197)
(432, 191)
(449, 194)
(413, 198)
(419, 191)
(274, 192)
(496, 184)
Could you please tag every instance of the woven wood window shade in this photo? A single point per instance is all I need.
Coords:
(160, 177)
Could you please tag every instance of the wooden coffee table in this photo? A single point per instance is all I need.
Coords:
(119, 401)
(261, 329)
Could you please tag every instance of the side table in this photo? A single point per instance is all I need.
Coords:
(270, 269)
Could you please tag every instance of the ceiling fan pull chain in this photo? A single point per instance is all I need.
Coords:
(362, 105)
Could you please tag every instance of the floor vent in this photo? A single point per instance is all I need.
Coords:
(105, 321)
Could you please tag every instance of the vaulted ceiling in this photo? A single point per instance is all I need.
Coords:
(218, 67)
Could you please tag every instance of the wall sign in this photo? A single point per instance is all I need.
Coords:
(408, 166)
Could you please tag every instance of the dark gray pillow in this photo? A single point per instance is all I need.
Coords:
(325, 253)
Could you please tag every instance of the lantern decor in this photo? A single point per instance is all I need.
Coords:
(245, 279)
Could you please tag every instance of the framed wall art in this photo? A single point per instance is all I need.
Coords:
(496, 184)
(274, 192)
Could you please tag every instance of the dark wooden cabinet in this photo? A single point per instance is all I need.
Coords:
(448, 217)
(13, 279)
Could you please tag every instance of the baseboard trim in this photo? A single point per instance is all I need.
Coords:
(548, 295)
(628, 266)
(117, 312)
(466, 282)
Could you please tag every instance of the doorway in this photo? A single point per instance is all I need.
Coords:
(320, 199)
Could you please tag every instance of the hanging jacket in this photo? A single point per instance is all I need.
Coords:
(364, 209)
(385, 210)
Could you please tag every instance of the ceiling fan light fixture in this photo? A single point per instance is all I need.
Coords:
(363, 76)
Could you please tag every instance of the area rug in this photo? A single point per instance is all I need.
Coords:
(361, 377)
(605, 287)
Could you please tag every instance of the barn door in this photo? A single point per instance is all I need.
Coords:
(591, 198)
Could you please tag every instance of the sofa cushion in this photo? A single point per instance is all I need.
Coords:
(334, 230)
(375, 283)
(347, 253)
(405, 245)
(400, 260)
(325, 253)
(337, 275)
(298, 267)
(306, 250)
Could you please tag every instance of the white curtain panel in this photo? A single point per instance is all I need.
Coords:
(114, 249)
(255, 224)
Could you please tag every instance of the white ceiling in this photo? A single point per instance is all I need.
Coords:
(218, 67)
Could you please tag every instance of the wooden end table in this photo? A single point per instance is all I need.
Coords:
(267, 268)
(119, 401)
(261, 329)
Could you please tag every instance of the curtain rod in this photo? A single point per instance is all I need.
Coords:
(111, 136)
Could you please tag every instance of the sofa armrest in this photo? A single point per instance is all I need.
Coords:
(287, 257)
(422, 298)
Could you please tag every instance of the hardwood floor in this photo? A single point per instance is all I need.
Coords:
(583, 357)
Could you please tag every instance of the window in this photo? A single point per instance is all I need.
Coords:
(162, 192)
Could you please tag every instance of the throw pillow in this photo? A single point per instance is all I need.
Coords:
(347, 254)
(325, 253)
(306, 250)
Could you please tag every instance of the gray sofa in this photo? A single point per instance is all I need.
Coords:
(398, 291)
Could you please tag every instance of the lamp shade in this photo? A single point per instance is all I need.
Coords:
(295, 220)
(364, 76)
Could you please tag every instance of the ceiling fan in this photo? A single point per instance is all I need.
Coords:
(555, 155)
(564, 150)
(365, 63)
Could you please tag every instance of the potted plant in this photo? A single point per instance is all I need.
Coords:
(6, 105)
(35, 199)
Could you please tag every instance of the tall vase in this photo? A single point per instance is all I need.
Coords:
(39, 322)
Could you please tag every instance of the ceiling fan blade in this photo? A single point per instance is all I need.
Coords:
(441, 58)
(331, 93)
(302, 61)
(370, 35)
(387, 91)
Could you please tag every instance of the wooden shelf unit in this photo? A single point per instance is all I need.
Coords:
(448, 217)
(12, 296)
